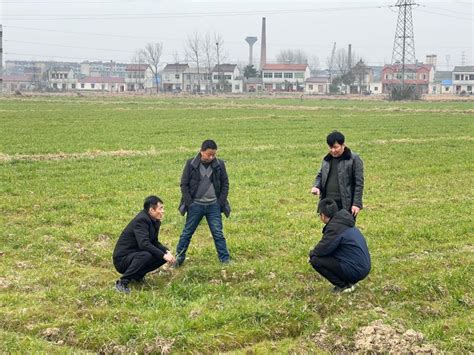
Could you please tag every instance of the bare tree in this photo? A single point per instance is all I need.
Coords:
(151, 55)
(139, 61)
(346, 73)
(341, 60)
(193, 52)
(292, 56)
(176, 57)
(209, 57)
(219, 41)
(360, 71)
(313, 62)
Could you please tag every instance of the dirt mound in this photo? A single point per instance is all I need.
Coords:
(379, 337)
(159, 345)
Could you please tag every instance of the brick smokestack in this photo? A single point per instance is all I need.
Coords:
(263, 51)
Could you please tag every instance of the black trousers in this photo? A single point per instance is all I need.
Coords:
(136, 265)
(330, 269)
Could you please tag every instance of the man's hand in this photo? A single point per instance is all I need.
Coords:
(355, 210)
(315, 190)
(169, 257)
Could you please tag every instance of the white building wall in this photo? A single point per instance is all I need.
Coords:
(375, 88)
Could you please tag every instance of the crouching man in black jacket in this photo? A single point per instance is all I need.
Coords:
(138, 250)
(341, 256)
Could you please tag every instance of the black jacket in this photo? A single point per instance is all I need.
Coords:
(190, 183)
(346, 243)
(141, 234)
(350, 173)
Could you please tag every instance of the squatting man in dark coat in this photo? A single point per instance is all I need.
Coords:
(341, 176)
(204, 190)
(342, 255)
(138, 250)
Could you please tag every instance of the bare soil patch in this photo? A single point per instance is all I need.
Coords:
(382, 338)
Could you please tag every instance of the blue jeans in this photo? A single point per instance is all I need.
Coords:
(214, 219)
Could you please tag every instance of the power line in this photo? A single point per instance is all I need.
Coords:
(447, 10)
(78, 33)
(67, 46)
(181, 15)
(60, 56)
(446, 15)
(59, 2)
(78, 47)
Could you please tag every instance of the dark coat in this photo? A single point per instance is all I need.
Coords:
(190, 183)
(343, 241)
(141, 234)
(350, 173)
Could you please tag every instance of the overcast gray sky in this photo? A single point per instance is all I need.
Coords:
(113, 30)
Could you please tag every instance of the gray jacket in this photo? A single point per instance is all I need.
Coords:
(350, 173)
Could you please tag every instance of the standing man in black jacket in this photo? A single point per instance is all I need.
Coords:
(204, 189)
(342, 255)
(138, 250)
(341, 176)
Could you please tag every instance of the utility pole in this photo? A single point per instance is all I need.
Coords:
(1, 59)
(218, 68)
(404, 44)
(331, 64)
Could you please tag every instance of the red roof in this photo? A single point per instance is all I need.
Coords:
(398, 67)
(102, 80)
(22, 78)
(293, 67)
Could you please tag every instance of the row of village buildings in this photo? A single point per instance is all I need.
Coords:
(228, 78)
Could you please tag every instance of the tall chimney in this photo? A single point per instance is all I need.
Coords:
(263, 51)
(251, 41)
(349, 57)
(1, 58)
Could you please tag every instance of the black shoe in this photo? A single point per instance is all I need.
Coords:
(121, 286)
(345, 289)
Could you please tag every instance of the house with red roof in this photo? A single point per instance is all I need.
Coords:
(18, 82)
(419, 75)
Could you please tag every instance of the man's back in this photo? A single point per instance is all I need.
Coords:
(353, 254)
(343, 241)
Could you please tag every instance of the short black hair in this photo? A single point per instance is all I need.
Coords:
(151, 201)
(208, 144)
(328, 207)
(335, 137)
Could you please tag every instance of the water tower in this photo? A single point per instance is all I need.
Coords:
(251, 41)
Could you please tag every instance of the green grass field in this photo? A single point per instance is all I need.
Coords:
(74, 171)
